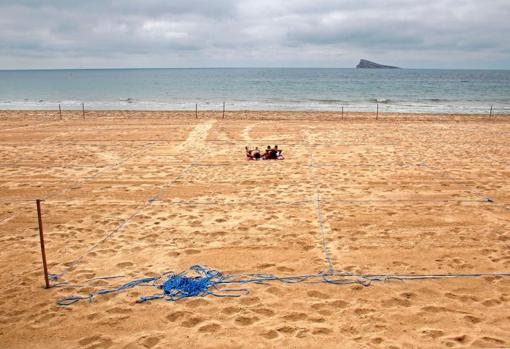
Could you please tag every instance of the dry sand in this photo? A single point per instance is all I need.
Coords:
(404, 194)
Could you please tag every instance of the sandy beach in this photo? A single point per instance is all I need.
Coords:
(136, 194)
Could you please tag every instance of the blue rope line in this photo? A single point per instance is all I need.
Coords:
(202, 281)
(73, 299)
(318, 212)
(325, 247)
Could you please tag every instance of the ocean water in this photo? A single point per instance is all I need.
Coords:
(405, 90)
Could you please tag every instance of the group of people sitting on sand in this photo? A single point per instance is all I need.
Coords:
(269, 154)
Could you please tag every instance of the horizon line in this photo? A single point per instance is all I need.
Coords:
(237, 67)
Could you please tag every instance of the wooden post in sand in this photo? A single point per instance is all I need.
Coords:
(60, 111)
(377, 115)
(342, 112)
(196, 111)
(490, 112)
(41, 238)
(83, 109)
(223, 110)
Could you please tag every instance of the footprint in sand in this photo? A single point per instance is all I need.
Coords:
(285, 269)
(196, 303)
(265, 266)
(150, 341)
(250, 300)
(295, 317)
(396, 302)
(272, 334)
(432, 333)
(287, 329)
(192, 322)
(434, 309)
(487, 342)
(218, 234)
(363, 311)
(263, 311)
(339, 304)
(317, 294)
(210, 328)
(95, 342)
(94, 316)
(491, 302)
(124, 264)
(472, 319)
(462, 339)
(118, 310)
(176, 316)
(231, 310)
(302, 333)
(245, 320)
(322, 331)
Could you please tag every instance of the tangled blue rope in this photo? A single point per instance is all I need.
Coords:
(202, 281)
(175, 287)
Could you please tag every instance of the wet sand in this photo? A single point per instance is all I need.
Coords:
(140, 193)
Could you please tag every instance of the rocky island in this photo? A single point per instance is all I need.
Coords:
(364, 64)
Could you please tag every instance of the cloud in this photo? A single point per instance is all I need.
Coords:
(161, 33)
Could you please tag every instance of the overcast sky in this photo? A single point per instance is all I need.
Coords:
(253, 33)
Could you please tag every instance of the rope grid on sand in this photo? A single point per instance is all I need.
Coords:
(202, 281)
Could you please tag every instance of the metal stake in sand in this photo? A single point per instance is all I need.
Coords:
(83, 110)
(223, 110)
(342, 112)
(490, 112)
(196, 111)
(60, 111)
(41, 238)
(377, 115)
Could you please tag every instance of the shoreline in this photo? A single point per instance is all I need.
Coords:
(288, 116)
(232, 107)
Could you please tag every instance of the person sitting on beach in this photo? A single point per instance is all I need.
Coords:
(267, 154)
(279, 153)
(249, 155)
(273, 153)
(256, 154)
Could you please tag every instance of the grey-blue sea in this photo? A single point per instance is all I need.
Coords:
(400, 90)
